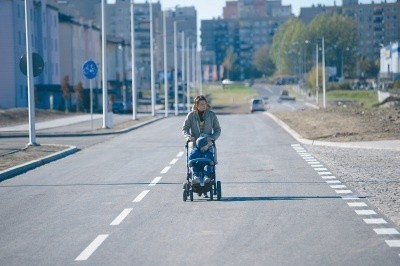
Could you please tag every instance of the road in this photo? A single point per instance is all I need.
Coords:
(119, 202)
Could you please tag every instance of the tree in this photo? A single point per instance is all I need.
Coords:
(229, 61)
(262, 61)
(65, 91)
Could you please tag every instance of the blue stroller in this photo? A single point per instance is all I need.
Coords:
(203, 187)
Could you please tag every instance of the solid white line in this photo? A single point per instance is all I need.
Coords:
(166, 168)
(357, 204)
(173, 161)
(386, 231)
(343, 191)
(365, 212)
(180, 154)
(141, 196)
(155, 181)
(375, 221)
(393, 243)
(320, 169)
(92, 247)
(333, 181)
(338, 186)
(121, 216)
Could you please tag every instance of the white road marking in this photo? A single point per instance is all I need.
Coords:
(320, 169)
(173, 161)
(393, 243)
(333, 181)
(375, 221)
(91, 248)
(155, 181)
(324, 173)
(328, 177)
(338, 186)
(350, 198)
(316, 165)
(141, 196)
(311, 160)
(295, 145)
(386, 231)
(121, 216)
(365, 212)
(357, 204)
(343, 191)
(315, 162)
(166, 168)
(180, 154)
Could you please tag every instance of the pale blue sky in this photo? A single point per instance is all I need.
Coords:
(208, 9)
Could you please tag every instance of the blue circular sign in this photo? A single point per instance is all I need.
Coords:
(89, 69)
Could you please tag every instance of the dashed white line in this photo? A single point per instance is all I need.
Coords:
(328, 177)
(320, 169)
(343, 191)
(350, 198)
(316, 165)
(338, 186)
(121, 216)
(166, 168)
(393, 243)
(386, 231)
(365, 212)
(324, 173)
(357, 204)
(91, 248)
(312, 163)
(173, 161)
(141, 196)
(375, 221)
(180, 154)
(155, 181)
(333, 181)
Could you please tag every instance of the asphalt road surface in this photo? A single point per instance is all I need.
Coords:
(119, 202)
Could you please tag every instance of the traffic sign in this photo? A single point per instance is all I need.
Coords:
(37, 64)
(89, 69)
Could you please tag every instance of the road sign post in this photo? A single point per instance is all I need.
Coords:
(89, 70)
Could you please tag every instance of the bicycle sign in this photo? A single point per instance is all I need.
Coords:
(89, 69)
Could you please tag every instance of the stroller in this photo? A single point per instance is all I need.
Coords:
(213, 186)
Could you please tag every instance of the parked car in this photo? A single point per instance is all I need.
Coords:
(121, 107)
(257, 104)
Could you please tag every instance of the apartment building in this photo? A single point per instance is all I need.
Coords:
(247, 25)
(378, 23)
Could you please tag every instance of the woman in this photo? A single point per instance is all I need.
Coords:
(201, 122)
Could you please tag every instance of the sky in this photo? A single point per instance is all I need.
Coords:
(208, 9)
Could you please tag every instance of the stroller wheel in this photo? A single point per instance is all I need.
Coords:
(191, 195)
(211, 193)
(219, 190)
(184, 195)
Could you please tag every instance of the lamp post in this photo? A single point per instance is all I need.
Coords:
(175, 69)
(134, 100)
(323, 74)
(188, 75)
(316, 73)
(29, 75)
(165, 65)
(153, 94)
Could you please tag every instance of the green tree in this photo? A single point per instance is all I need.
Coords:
(229, 61)
(262, 61)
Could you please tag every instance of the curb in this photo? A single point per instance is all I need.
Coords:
(82, 134)
(22, 168)
(393, 145)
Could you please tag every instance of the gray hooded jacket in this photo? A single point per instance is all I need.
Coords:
(191, 127)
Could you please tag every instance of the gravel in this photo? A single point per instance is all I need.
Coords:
(374, 174)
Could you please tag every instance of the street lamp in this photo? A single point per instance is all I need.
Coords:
(134, 100)
(175, 69)
(153, 95)
(165, 65)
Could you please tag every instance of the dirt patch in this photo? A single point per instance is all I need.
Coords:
(345, 124)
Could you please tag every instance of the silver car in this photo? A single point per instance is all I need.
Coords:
(257, 104)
